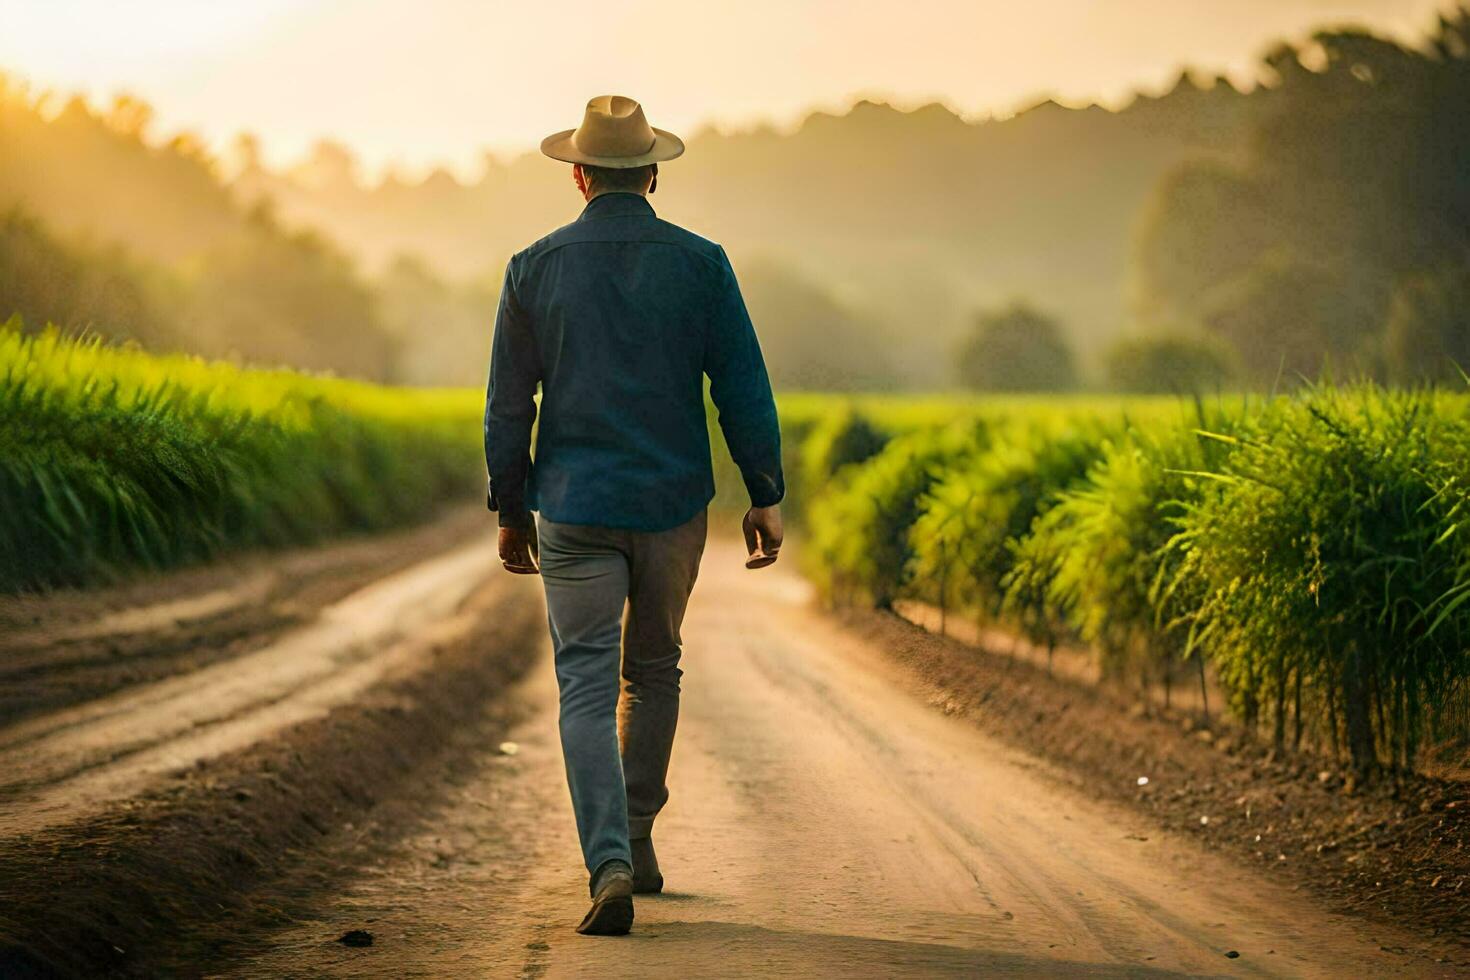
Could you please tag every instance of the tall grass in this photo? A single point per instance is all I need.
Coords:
(1314, 549)
(112, 458)
(1332, 562)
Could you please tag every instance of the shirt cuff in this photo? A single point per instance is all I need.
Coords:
(515, 518)
(765, 491)
(512, 513)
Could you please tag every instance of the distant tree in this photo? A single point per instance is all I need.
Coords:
(47, 280)
(1289, 318)
(101, 174)
(245, 155)
(1016, 349)
(331, 167)
(1206, 224)
(811, 339)
(1175, 362)
(289, 299)
(441, 328)
(1354, 178)
(137, 237)
(1428, 333)
(129, 116)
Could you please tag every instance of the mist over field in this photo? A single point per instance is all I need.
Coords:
(1202, 236)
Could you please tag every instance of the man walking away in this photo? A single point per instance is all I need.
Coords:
(618, 317)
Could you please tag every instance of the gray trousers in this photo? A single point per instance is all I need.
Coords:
(617, 757)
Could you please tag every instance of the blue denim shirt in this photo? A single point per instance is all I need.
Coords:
(618, 317)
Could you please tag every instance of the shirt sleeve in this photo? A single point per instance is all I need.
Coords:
(741, 391)
(510, 407)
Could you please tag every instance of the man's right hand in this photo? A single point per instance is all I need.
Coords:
(518, 551)
(763, 533)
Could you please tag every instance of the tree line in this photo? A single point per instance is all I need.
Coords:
(105, 229)
(1317, 220)
(1338, 240)
(1343, 236)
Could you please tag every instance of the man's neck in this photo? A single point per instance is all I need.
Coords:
(596, 194)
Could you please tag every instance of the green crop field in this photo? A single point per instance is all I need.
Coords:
(113, 458)
(1314, 549)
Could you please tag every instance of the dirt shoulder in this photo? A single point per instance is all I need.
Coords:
(68, 646)
(164, 879)
(1398, 853)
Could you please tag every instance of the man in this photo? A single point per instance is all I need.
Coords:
(619, 316)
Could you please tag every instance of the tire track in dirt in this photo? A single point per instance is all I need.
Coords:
(54, 767)
(138, 830)
(68, 647)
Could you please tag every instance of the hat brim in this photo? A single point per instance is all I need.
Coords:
(559, 146)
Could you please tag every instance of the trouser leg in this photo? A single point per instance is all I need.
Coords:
(662, 572)
(586, 579)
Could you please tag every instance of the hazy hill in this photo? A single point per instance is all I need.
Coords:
(103, 228)
(1283, 225)
(1343, 235)
(96, 174)
(876, 232)
(915, 218)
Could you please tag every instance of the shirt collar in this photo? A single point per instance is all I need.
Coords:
(615, 203)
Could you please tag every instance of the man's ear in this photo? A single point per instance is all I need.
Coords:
(579, 178)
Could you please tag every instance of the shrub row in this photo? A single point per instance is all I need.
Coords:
(1314, 550)
(111, 458)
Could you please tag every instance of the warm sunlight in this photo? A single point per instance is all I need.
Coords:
(781, 488)
(422, 82)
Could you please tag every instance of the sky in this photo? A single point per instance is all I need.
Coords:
(412, 83)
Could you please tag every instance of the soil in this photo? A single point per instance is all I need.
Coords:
(142, 860)
(823, 822)
(1397, 851)
(377, 791)
(71, 645)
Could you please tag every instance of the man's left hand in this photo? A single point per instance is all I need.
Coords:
(518, 552)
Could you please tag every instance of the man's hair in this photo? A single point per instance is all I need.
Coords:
(619, 179)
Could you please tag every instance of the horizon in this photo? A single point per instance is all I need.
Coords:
(236, 37)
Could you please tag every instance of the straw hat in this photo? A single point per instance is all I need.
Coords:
(613, 134)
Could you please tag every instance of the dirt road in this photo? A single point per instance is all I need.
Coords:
(824, 822)
(57, 766)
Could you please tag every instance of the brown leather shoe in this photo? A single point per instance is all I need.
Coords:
(647, 879)
(612, 901)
